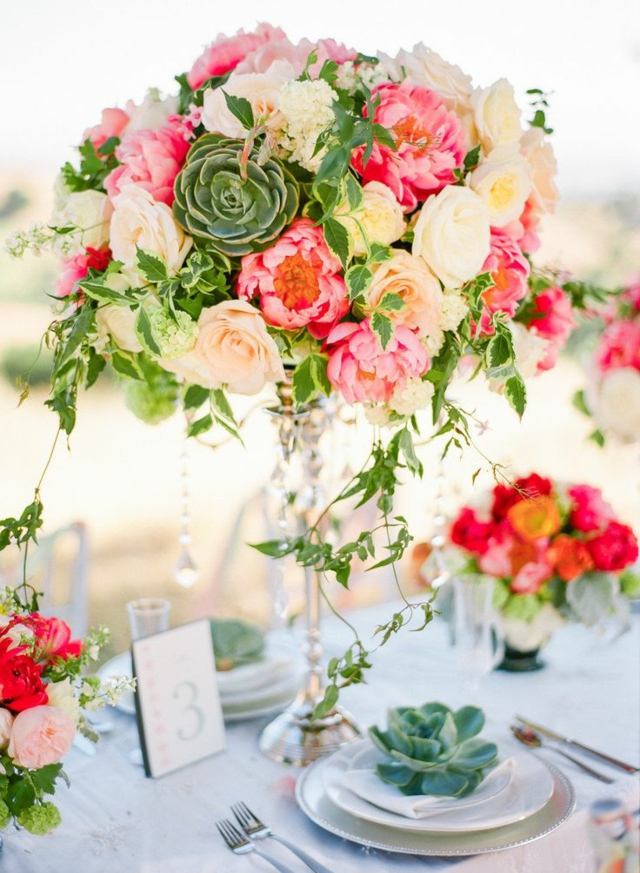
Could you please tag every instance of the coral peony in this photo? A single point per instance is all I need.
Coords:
(298, 281)
(40, 736)
(151, 159)
(112, 123)
(77, 268)
(615, 548)
(569, 557)
(589, 510)
(21, 685)
(553, 320)
(429, 144)
(619, 346)
(282, 49)
(226, 52)
(469, 532)
(535, 517)
(364, 372)
(531, 577)
(509, 270)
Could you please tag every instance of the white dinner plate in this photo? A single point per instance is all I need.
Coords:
(270, 706)
(528, 790)
(313, 801)
(282, 686)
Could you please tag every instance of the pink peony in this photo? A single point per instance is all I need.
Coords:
(298, 281)
(510, 273)
(41, 735)
(430, 144)
(226, 52)
(496, 561)
(552, 320)
(619, 346)
(75, 269)
(589, 510)
(524, 230)
(151, 159)
(283, 49)
(362, 371)
(531, 577)
(112, 123)
(631, 295)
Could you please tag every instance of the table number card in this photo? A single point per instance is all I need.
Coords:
(177, 701)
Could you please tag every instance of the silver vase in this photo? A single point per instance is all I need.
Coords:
(295, 737)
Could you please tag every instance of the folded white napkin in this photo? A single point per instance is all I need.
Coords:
(364, 781)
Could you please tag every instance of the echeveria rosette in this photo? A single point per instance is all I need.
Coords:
(434, 750)
(236, 203)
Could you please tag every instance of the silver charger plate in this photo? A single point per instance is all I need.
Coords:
(313, 801)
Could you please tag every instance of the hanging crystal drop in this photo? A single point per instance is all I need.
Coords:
(186, 571)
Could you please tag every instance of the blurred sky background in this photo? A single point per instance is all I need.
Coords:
(62, 61)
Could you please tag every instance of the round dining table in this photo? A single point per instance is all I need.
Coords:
(116, 820)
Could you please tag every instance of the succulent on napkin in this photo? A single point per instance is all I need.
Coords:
(434, 750)
(235, 642)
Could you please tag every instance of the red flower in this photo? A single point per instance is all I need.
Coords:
(590, 511)
(21, 685)
(615, 548)
(570, 557)
(505, 496)
(470, 533)
(52, 637)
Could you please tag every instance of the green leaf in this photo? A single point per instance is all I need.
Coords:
(499, 350)
(126, 364)
(272, 548)
(241, 109)
(391, 303)
(592, 597)
(319, 364)
(201, 425)
(471, 158)
(409, 453)
(597, 437)
(337, 239)
(358, 279)
(516, 393)
(354, 191)
(304, 386)
(223, 413)
(469, 721)
(579, 401)
(152, 267)
(144, 332)
(97, 290)
(329, 700)
(195, 396)
(382, 327)
(44, 779)
(19, 796)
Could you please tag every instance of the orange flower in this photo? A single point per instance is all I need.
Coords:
(521, 553)
(535, 518)
(570, 557)
(415, 570)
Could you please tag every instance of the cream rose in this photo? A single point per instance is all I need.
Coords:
(427, 68)
(616, 404)
(41, 735)
(503, 181)
(140, 222)
(118, 322)
(541, 158)
(61, 695)
(379, 218)
(89, 211)
(152, 113)
(6, 721)
(411, 279)
(233, 349)
(496, 114)
(452, 235)
(262, 90)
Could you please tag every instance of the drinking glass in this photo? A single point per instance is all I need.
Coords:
(148, 615)
(479, 642)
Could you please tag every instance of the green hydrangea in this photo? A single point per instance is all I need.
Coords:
(5, 815)
(174, 333)
(154, 400)
(39, 819)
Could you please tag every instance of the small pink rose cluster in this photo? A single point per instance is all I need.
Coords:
(619, 345)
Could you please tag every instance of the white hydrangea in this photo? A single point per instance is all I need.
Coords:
(350, 76)
(529, 349)
(454, 309)
(377, 415)
(433, 342)
(415, 394)
(306, 108)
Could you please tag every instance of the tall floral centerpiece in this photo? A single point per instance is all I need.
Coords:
(557, 553)
(612, 395)
(44, 698)
(307, 214)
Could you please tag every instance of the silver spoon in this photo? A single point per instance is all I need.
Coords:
(528, 737)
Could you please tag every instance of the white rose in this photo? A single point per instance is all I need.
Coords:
(452, 235)
(524, 636)
(427, 68)
(617, 404)
(409, 278)
(496, 114)
(119, 323)
(503, 181)
(262, 90)
(61, 694)
(541, 158)
(139, 221)
(379, 218)
(6, 723)
(415, 394)
(152, 113)
(233, 349)
(88, 210)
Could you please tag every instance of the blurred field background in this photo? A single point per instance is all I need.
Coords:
(121, 477)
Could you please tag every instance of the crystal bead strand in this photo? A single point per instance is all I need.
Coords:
(439, 539)
(186, 571)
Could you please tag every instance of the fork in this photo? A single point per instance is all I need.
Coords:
(241, 845)
(257, 830)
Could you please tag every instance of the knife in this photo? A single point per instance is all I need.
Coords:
(567, 741)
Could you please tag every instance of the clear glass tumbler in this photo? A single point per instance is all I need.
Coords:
(147, 616)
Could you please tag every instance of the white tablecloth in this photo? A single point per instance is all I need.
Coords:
(117, 821)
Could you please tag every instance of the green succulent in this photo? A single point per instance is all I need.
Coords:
(239, 207)
(235, 642)
(434, 750)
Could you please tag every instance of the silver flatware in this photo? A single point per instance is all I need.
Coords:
(257, 830)
(588, 750)
(528, 737)
(242, 845)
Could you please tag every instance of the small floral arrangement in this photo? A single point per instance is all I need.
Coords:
(556, 552)
(43, 694)
(357, 224)
(612, 397)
